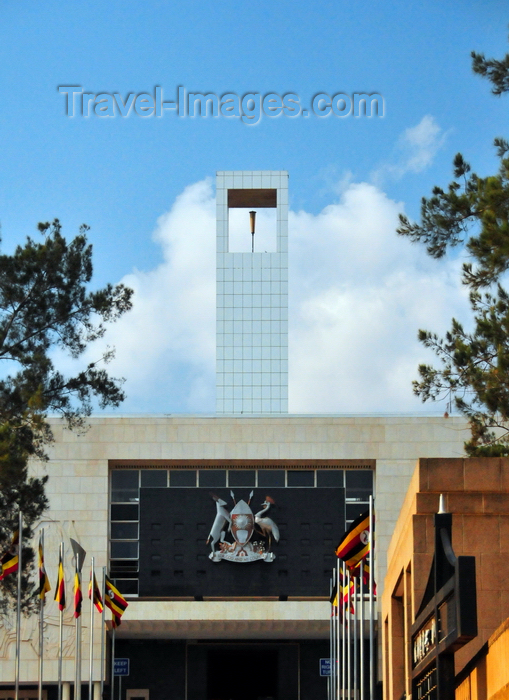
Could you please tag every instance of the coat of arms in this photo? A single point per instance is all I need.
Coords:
(242, 524)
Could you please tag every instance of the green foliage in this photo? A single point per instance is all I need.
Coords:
(473, 212)
(45, 304)
(496, 71)
(17, 487)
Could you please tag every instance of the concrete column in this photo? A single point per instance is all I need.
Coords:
(66, 690)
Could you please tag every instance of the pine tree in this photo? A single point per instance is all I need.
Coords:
(473, 212)
(45, 304)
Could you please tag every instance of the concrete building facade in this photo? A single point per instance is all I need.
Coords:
(187, 631)
(476, 493)
(144, 495)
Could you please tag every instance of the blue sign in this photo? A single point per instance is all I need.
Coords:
(121, 667)
(325, 667)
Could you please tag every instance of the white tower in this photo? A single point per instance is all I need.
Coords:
(252, 298)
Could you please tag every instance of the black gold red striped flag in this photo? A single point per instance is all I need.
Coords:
(365, 574)
(44, 584)
(355, 543)
(334, 596)
(60, 587)
(93, 592)
(115, 601)
(10, 560)
(78, 597)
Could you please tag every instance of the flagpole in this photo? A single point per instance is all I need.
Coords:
(77, 659)
(361, 633)
(330, 679)
(112, 660)
(18, 609)
(355, 655)
(60, 630)
(91, 663)
(371, 604)
(343, 650)
(103, 631)
(349, 647)
(41, 623)
(338, 634)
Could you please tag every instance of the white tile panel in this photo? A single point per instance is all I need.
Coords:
(256, 300)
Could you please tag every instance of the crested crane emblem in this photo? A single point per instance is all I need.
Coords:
(243, 526)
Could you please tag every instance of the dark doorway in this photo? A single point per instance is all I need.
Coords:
(242, 673)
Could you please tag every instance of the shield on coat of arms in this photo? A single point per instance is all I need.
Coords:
(242, 526)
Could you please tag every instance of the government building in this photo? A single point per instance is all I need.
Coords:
(220, 530)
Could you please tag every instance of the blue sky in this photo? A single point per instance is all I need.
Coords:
(143, 184)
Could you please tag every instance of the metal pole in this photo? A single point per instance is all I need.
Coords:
(91, 661)
(355, 615)
(18, 610)
(349, 646)
(343, 650)
(120, 688)
(103, 631)
(77, 664)
(371, 605)
(41, 626)
(112, 662)
(60, 632)
(338, 635)
(331, 639)
(361, 633)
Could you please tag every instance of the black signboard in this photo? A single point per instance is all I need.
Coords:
(174, 555)
(447, 618)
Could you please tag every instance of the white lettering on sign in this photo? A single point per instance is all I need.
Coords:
(425, 640)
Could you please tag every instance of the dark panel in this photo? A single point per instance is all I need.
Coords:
(299, 477)
(183, 477)
(174, 556)
(312, 685)
(359, 480)
(124, 511)
(329, 477)
(158, 666)
(154, 477)
(212, 478)
(260, 199)
(124, 531)
(241, 477)
(271, 478)
(242, 671)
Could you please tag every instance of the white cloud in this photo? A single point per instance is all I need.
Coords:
(358, 294)
(414, 152)
(165, 346)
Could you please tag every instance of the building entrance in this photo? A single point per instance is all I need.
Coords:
(242, 674)
(242, 671)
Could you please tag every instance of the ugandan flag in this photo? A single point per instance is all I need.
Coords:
(345, 595)
(115, 601)
(334, 599)
(93, 592)
(355, 543)
(115, 621)
(10, 559)
(365, 574)
(334, 596)
(44, 584)
(78, 597)
(60, 587)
